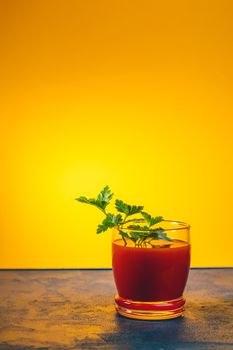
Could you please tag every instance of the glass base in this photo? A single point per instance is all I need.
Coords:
(162, 310)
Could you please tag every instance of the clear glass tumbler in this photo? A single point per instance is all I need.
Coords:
(151, 275)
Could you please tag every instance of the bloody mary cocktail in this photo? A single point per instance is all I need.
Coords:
(151, 274)
(150, 258)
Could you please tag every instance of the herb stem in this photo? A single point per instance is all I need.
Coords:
(123, 222)
(125, 243)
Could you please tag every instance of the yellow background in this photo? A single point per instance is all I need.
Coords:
(133, 94)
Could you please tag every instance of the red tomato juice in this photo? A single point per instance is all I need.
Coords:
(150, 274)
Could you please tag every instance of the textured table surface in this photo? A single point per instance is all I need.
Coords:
(74, 310)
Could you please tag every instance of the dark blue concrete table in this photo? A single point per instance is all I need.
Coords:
(74, 309)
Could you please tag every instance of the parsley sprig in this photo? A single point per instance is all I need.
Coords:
(141, 235)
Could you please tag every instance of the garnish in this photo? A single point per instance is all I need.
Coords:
(141, 235)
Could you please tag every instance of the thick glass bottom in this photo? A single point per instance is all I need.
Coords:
(162, 310)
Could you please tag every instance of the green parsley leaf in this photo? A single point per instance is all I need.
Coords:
(104, 197)
(151, 220)
(163, 235)
(156, 220)
(126, 208)
(153, 235)
(110, 221)
(101, 201)
(134, 236)
(91, 201)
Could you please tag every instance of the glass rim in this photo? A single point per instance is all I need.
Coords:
(183, 225)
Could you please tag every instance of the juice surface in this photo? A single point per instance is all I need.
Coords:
(150, 274)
